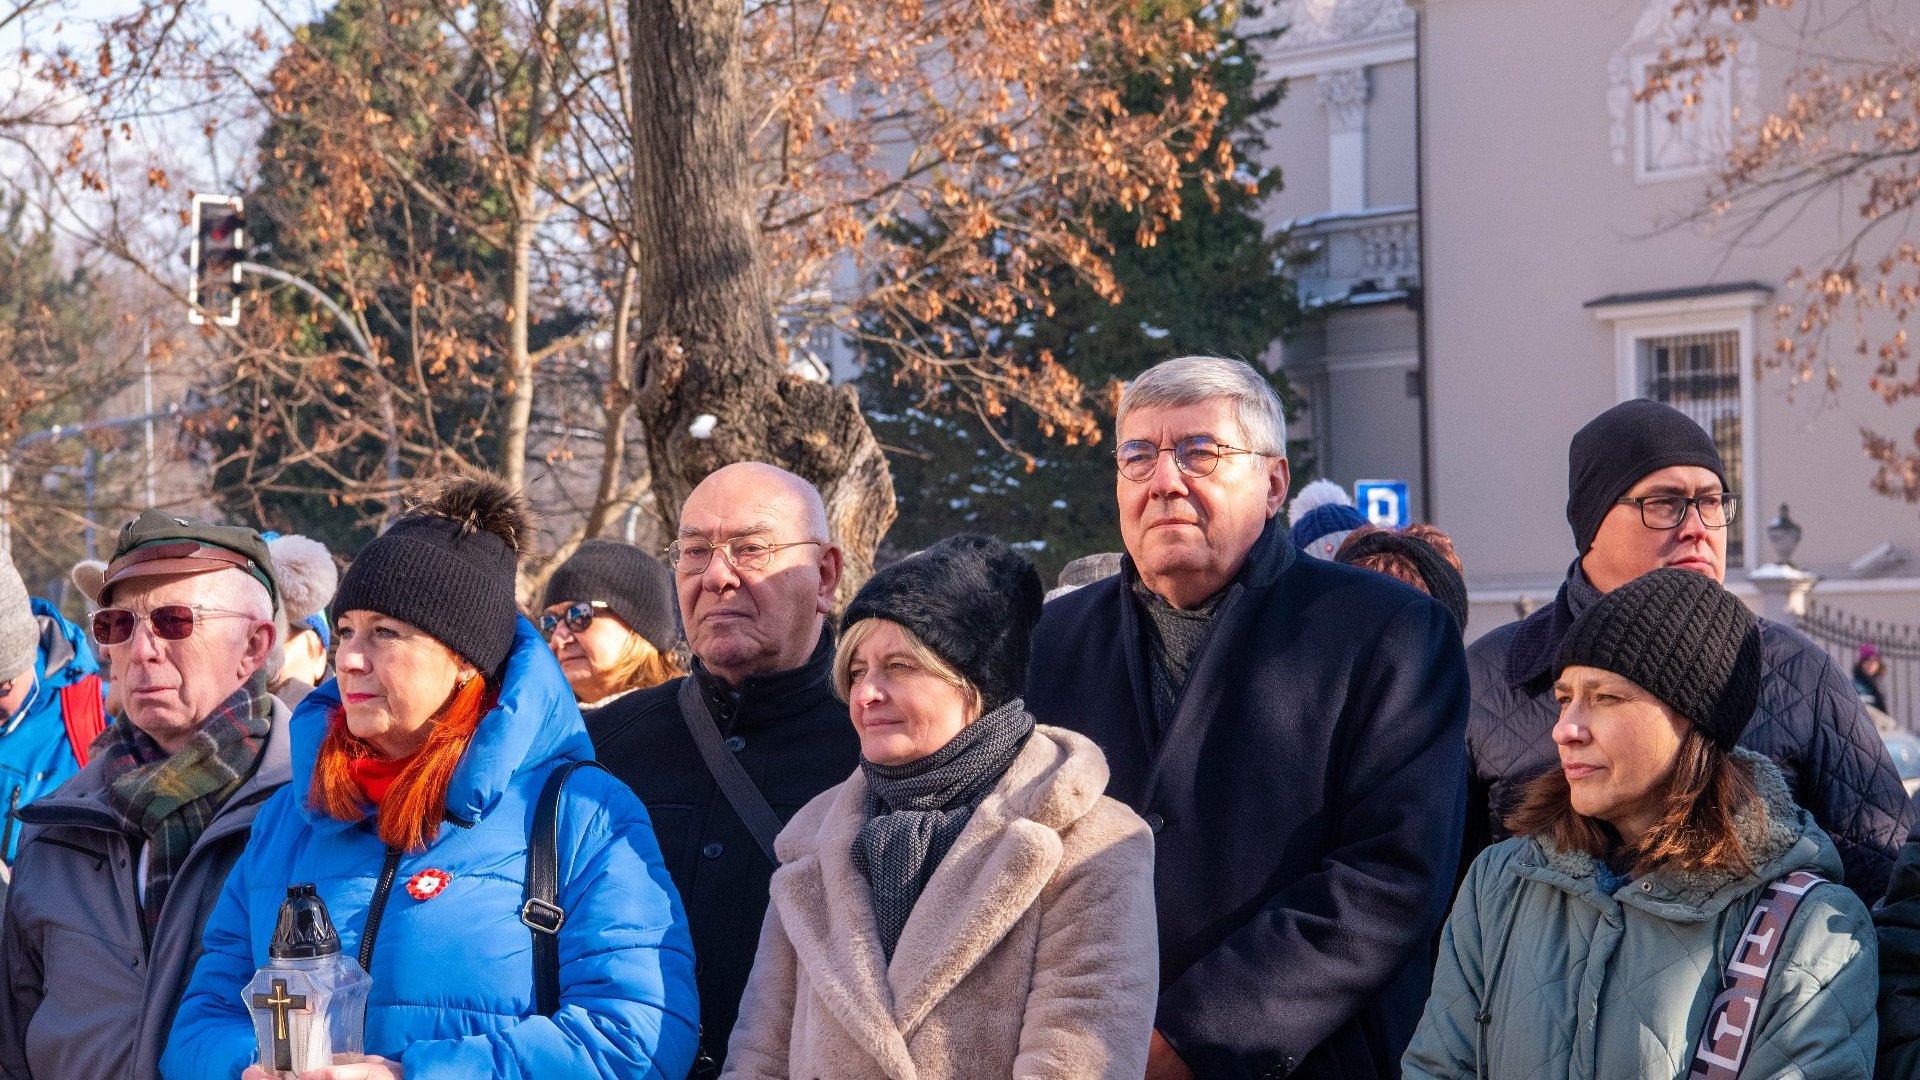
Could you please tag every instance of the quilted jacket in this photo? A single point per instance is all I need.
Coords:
(453, 968)
(1543, 974)
(1810, 723)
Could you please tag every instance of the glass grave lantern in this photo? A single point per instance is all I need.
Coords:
(309, 1003)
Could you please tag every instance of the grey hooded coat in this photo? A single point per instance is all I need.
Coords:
(86, 994)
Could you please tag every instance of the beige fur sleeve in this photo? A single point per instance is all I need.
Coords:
(1096, 978)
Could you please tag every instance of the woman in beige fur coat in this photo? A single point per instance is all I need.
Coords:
(968, 904)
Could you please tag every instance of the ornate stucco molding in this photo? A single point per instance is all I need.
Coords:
(1344, 95)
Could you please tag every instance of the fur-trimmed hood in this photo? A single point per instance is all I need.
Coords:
(1778, 836)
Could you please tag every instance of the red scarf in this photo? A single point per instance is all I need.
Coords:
(375, 775)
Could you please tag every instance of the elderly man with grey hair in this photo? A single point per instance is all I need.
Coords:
(119, 868)
(1292, 731)
(724, 756)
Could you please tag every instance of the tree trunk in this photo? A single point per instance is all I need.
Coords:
(707, 344)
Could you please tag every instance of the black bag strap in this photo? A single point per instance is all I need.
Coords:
(735, 784)
(542, 912)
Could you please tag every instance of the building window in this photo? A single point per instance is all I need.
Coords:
(1683, 130)
(1699, 374)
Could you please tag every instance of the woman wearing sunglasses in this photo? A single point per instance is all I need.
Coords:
(610, 618)
(417, 774)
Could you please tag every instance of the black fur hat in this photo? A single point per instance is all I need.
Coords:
(447, 566)
(972, 599)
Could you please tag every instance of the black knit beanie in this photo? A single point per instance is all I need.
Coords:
(1442, 581)
(972, 599)
(1683, 639)
(1620, 447)
(633, 584)
(447, 567)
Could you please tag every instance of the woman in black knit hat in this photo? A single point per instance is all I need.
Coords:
(610, 616)
(967, 904)
(1663, 908)
(416, 775)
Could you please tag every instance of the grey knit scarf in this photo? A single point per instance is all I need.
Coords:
(1175, 638)
(916, 811)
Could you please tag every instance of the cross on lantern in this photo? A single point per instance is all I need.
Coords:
(280, 1003)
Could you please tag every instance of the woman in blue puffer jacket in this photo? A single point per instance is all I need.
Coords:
(415, 779)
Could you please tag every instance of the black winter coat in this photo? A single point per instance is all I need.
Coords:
(795, 740)
(1809, 723)
(1306, 801)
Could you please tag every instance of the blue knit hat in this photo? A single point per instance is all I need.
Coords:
(1322, 516)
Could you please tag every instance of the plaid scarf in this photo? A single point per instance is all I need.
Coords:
(169, 799)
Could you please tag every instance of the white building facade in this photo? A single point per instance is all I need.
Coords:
(1489, 208)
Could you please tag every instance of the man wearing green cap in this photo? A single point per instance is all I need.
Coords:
(118, 869)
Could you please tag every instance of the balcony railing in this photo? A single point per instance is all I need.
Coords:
(1357, 255)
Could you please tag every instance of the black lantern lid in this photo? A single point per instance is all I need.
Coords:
(304, 930)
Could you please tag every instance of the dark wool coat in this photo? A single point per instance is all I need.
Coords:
(1307, 804)
(795, 740)
(1809, 723)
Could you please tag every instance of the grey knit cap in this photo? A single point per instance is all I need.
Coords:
(19, 630)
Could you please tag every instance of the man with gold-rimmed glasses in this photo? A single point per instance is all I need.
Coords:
(1289, 728)
(726, 755)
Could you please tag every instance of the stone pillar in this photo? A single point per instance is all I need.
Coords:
(1783, 591)
(1344, 94)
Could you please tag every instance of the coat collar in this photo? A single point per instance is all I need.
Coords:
(996, 869)
(534, 723)
(1272, 553)
(82, 799)
(775, 696)
(1271, 556)
(1778, 842)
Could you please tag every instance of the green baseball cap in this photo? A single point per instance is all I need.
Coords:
(157, 543)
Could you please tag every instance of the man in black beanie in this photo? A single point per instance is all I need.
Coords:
(723, 757)
(1646, 489)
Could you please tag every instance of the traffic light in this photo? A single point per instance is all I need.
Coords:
(219, 245)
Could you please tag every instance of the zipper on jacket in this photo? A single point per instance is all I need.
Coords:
(6, 837)
(378, 908)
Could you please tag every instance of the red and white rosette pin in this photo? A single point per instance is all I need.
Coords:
(428, 884)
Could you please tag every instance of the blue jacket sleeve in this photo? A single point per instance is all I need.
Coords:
(628, 1007)
(212, 1036)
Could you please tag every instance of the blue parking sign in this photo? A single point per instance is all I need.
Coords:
(1384, 502)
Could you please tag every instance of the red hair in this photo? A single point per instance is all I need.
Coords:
(416, 804)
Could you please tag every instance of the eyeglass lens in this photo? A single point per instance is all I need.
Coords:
(578, 618)
(743, 552)
(170, 622)
(1195, 455)
(1667, 511)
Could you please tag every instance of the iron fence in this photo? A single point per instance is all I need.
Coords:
(1842, 634)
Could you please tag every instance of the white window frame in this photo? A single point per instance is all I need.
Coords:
(1738, 311)
(1712, 117)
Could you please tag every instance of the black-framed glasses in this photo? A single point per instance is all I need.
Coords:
(694, 555)
(1196, 455)
(1668, 511)
(577, 617)
(170, 622)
